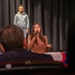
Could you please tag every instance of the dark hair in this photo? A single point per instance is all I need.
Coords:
(40, 34)
(11, 37)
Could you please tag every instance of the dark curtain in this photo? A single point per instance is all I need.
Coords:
(53, 15)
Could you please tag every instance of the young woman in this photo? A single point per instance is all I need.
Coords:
(37, 42)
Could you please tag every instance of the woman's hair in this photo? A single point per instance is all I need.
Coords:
(11, 37)
(40, 34)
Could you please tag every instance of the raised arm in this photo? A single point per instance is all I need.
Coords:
(30, 42)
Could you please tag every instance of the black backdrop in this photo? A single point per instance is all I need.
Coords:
(53, 15)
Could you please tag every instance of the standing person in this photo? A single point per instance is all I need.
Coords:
(21, 19)
(12, 41)
(38, 42)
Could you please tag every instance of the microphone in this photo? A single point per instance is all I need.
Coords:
(36, 33)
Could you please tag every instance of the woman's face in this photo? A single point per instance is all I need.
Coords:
(36, 28)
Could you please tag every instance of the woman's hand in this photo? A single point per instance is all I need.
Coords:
(49, 45)
(34, 38)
